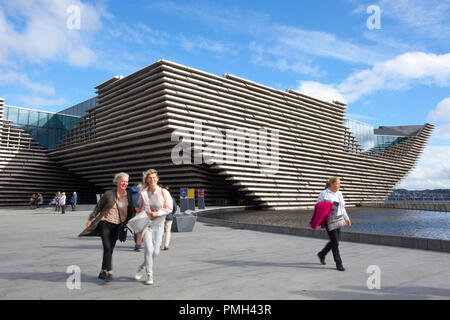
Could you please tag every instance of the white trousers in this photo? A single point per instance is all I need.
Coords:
(152, 243)
(167, 228)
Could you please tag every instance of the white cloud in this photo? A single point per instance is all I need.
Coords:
(226, 17)
(276, 60)
(295, 49)
(359, 117)
(16, 78)
(138, 33)
(427, 18)
(442, 132)
(432, 171)
(442, 111)
(399, 73)
(207, 44)
(292, 41)
(275, 45)
(37, 101)
(44, 34)
(321, 91)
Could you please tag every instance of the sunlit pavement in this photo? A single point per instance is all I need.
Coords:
(41, 254)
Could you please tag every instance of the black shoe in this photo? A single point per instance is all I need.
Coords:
(321, 258)
(166, 248)
(340, 267)
(137, 248)
(109, 277)
(102, 275)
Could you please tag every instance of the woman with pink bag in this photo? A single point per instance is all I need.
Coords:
(333, 195)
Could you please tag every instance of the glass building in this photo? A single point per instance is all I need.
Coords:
(363, 132)
(45, 127)
(376, 140)
(384, 142)
(80, 108)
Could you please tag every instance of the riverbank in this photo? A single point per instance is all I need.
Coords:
(393, 227)
(410, 206)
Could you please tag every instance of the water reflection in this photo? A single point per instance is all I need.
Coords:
(401, 222)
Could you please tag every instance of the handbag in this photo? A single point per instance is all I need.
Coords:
(335, 222)
(139, 222)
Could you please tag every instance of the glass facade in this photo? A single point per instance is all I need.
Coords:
(80, 108)
(384, 142)
(363, 133)
(45, 127)
(369, 141)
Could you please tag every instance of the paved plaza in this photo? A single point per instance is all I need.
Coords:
(212, 262)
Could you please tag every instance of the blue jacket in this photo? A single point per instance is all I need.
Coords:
(170, 215)
(135, 194)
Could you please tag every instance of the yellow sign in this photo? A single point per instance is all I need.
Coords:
(191, 193)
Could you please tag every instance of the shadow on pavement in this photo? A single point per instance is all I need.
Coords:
(237, 263)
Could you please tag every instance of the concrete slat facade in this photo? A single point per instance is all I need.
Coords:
(25, 168)
(131, 128)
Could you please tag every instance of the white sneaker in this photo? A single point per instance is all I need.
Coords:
(149, 279)
(139, 274)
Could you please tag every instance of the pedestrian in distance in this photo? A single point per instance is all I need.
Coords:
(39, 201)
(332, 194)
(74, 200)
(135, 194)
(62, 203)
(57, 199)
(114, 207)
(157, 203)
(32, 200)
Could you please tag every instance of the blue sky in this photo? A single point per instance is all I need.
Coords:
(398, 74)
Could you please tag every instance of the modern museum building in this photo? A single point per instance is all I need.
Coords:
(240, 141)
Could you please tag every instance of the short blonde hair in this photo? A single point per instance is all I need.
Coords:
(119, 176)
(331, 181)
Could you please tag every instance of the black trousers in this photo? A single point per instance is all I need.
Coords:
(109, 233)
(333, 245)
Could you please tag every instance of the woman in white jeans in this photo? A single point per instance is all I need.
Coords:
(157, 203)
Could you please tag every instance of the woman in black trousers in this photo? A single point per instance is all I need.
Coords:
(115, 207)
(332, 194)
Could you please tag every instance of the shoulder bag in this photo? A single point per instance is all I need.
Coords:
(122, 227)
(335, 222)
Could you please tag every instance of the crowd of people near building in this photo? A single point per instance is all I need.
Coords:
(154, 202)
(59, 201)
(36, 200)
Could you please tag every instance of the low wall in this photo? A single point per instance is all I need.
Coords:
(410, 206)
(386, 240)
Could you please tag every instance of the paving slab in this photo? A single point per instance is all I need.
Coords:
(38, 248)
